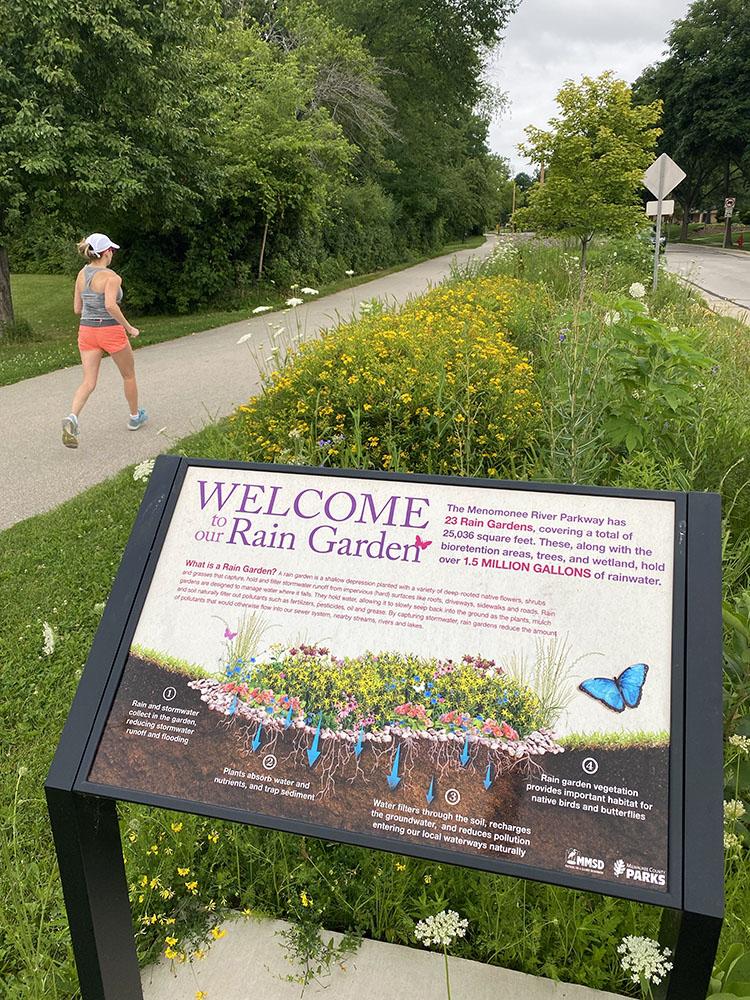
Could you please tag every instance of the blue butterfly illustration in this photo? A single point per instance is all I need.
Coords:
(618, 693)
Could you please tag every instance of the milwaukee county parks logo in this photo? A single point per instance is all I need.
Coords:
(639, 873)
(581, 863)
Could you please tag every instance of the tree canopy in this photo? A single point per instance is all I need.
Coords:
(219, 139)
(595, 154)
(704, 84)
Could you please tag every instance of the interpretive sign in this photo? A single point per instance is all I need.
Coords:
(483, 673)
(405, 660)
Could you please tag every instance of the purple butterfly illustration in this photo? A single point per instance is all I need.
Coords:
(421, 543)
(229, 635)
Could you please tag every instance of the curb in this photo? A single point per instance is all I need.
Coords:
(251, 960)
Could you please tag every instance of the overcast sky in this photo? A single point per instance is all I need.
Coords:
(550, 41)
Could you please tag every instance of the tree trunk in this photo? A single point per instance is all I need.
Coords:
(685, 220)
(6, 301)
(262, 252)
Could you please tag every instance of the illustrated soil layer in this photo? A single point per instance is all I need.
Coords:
(606, 819)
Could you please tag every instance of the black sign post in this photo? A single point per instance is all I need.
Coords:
(389, 566)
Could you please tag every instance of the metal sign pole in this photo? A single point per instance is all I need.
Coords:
(89, 855)
(692, 933)
(658, 224)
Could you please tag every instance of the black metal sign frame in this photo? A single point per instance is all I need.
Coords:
(83, 813)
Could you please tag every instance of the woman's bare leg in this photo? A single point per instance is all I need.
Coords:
(126, 363)
(90, 361)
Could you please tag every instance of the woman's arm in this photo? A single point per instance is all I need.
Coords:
(77, 300)
(114, 281)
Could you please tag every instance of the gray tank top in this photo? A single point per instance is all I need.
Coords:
(94, 313)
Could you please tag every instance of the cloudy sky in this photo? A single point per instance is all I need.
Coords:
(550, 41)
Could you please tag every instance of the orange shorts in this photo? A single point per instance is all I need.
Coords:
(102, 338)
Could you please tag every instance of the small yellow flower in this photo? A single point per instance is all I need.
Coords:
(201, 995)
(217, 933)
(176, 827)
(183, 871)
(428, 879)
(171, 941)
(170, 953)
(400, 867)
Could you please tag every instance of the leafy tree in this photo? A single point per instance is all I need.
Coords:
(95, 118)
(430, 55)
(704, 84)
(279, 149)
(596, 152)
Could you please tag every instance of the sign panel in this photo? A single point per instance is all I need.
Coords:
(652, 208)
(438, 665)
(729, 204)
(663, 176)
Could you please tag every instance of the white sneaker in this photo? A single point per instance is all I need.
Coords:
(70, 431)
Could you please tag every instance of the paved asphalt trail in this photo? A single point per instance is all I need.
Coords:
(723, 275)
(184, 384)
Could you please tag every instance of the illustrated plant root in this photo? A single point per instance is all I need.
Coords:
(364, 756)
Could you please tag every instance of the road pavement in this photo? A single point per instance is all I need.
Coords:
(184, 384)
(722, 275)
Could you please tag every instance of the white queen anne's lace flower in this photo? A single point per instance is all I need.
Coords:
(733, 809)
(261, 309)
(644, 959)
(294, 302)
(741, 743)
(441, 929)
(309, 291)
(732, 843)
(244, 337)
(144, 469)
(637, 290)
(611, 318)
(49, 639)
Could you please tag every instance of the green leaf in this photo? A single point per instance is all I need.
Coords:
(740, 971)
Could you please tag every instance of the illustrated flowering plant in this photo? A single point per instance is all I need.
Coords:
(308, 684)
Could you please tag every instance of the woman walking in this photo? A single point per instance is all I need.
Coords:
(103, 329)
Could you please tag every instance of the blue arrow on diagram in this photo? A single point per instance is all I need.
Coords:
(256, 741)
(358, 748)
(288, 719)
(487, 779)
(465, 753)
(234, 705)
(313, 753)
(393, 778)
(431, 793)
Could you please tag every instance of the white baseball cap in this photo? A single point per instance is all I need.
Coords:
(99, 243)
